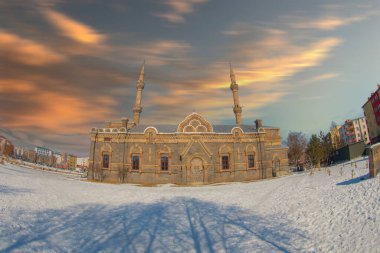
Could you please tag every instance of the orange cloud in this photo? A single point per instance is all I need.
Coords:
(268, 66)
(178, 8)
(322, 77)
(27, 51)
(52, 111)
(8, 85)
(73, 29)
(263, 71)
(326, 23)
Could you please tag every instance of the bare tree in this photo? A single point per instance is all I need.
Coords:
(99, 175)
(123, 174)
(297, 144)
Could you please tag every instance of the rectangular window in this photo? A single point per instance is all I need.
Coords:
(135, 162)
(164, 163)
(225, 162)
(251, 161)
(106, 161)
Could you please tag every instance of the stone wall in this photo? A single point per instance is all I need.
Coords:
(193, 158)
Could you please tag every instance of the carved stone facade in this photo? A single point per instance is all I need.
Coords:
(190, 153)
(196, 152)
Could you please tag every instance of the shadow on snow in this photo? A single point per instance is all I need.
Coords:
(354, 180)
(12, 190)
(177, 225)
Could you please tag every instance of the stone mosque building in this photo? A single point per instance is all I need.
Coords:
(194, 152)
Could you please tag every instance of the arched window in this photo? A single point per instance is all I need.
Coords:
(225, 162)
(251, 161)
(135, 162)
(164, 163)
(106, 161)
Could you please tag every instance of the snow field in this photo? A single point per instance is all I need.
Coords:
(43, 211)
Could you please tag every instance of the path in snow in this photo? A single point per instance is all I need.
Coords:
(42, 211)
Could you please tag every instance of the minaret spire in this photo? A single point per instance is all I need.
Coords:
(232, 74)
(234, 88)
(137, 109)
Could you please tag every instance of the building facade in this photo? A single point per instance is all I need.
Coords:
(44, 156)
(29, 155)
(354, 130)
(6, 147)
(69, 161)
(192, 152)
(371, 110)
(335, 137)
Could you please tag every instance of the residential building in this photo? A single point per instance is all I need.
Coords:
(44, 156)
(43, 151)
(6, 146)
(371, 110)
(69, 161)
(29, 155)
(354, 130)
(18, 152)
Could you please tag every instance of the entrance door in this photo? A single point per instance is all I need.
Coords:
(196, 170)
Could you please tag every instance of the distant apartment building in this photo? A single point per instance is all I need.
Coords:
(6, 146)
(335, 137)
(69, 161)
(353, 131)
(29, 155)
(18, 152)
(371, 110)
(43, 151)
(44, 156)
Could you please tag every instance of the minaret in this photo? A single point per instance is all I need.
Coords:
(235, 87)
(137, 109)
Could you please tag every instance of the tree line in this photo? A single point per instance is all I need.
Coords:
(313, 151)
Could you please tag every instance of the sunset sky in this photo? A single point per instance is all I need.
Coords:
(67, 66)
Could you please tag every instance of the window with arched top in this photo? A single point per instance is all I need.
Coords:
(225, 157)
(251, 160)
(250, 156)
(135, 162)
(106, 160)
(225, 162)
(164, 163)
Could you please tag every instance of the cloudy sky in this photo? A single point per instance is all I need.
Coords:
(69, 65)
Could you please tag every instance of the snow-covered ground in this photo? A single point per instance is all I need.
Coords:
(48, 212)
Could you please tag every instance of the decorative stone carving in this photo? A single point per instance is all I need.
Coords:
(194, 123)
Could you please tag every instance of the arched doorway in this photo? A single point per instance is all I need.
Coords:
(196, 171)
(276, 167)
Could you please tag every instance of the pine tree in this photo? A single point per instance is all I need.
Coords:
(315, 150)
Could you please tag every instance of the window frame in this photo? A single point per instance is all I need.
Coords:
(133, 162)
(249, 161)
(222, 162)
(162, 164)
(108, 160)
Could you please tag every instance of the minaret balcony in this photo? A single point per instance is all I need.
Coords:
(234, 86)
